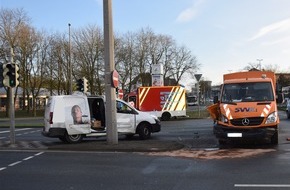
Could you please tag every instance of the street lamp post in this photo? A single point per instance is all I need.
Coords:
(197, 77)
(70, 66)
(260, 60)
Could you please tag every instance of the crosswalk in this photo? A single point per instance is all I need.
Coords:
(20, 144)
(5, 144)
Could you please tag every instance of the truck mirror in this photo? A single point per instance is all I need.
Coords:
(215, 99)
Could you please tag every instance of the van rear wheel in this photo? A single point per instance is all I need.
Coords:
(73, 138)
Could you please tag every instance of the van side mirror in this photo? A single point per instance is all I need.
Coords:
(215, 99)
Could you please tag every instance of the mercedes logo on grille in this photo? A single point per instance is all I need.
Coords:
(245, 121)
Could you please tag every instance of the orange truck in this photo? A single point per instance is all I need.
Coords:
(246, 107)
(162, 101)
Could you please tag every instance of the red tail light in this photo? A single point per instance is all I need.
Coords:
(50, 117)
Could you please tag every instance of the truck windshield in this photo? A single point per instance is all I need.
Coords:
(247, 92)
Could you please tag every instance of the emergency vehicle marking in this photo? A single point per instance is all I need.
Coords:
(266, 111)
(228, 111)
(180, 104)
(143, 94)
(173, 101)
(168, 102)
(171, 98)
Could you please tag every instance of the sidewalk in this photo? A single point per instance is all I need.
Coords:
(124, 145)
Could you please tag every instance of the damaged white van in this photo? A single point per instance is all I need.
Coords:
(73, 117)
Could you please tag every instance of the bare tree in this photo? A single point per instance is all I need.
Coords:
(182, 62)
(142, 49)
(11, 23)
(36, 65)
(88, 54)
(125, 60)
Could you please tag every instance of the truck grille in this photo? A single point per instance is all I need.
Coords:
(252, 121)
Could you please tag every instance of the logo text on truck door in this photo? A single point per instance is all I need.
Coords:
(250, 109)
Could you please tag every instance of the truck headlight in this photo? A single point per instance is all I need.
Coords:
(272, 118)
(224, 119)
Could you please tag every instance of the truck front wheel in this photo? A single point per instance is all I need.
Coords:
(73, 138)
(144, 131)
(275, 138)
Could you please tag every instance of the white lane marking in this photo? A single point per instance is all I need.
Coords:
(15, 163)
(262, 185)
(28, 158)
(15, 130)
(24, 159)
(40, 153)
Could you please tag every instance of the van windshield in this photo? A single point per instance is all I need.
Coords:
(247, 92)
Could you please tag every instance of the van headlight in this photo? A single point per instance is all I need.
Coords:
(157, 121)
(272, 118)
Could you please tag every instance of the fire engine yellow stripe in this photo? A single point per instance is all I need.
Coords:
(167, 101)
(172, 100)
(176, 95)
(143, 95)
(180, 100)
(176, 100)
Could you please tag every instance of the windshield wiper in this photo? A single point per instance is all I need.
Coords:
(263, 103)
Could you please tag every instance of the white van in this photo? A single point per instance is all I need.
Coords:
(72, 117)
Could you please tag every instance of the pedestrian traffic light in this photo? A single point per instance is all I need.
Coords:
(16, 75)
(10, 75)
(80, 85)
(86, 84)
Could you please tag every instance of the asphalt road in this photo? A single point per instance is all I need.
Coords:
(199, 163)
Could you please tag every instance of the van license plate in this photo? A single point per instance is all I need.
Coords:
(234, 134)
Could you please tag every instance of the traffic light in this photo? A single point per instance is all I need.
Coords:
(80, 85)
(1, 75)
(10, 75)
(86, 84)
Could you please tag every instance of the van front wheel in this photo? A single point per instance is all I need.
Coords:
(144, 131)
(73, 138)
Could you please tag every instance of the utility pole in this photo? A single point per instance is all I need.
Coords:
(111, 121)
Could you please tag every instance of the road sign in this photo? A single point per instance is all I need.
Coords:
(197, 76)
(115, 79)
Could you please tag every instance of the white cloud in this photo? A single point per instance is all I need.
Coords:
(277, 27)
(190, 13)
(99, 2)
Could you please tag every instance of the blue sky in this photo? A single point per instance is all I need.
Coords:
(224, 35)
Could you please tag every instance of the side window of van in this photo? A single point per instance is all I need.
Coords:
(123, 108)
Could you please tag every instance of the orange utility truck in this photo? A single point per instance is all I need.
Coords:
(246, 107)
(162, 101)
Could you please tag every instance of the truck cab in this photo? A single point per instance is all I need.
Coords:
(246, 107)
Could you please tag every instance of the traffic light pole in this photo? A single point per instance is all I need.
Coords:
(12, 115)
(11, 106)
